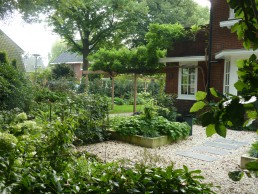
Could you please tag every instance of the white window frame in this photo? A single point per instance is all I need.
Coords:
(227, 67)
(185, 65)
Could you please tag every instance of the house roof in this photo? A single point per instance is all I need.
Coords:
(12, 50)
(235, 52)
(68, 58)
(182, 59)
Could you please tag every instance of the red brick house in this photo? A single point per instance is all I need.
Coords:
(74, 60)
(209, 61)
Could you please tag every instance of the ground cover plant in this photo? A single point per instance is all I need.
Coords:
(38, 157)
(125, 109)
(150, 124)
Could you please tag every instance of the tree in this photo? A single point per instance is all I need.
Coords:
(185, 12)
(142, 59)
(62, 71)
(58, 47)
(15, 91)
(93, 22)
(6, 8)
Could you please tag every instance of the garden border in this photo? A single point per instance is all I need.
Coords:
(148, 142)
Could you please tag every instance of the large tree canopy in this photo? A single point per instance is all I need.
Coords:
(85, 25)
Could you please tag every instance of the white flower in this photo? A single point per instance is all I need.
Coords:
(226, 103)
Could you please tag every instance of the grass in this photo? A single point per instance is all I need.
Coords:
(125, 109)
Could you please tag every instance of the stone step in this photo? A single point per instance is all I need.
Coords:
(221, 145)
(231, 141)
(196, 156)
(211, 150)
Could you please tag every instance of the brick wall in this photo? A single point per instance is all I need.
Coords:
(77, 70)
(190, 47)
(222, 38)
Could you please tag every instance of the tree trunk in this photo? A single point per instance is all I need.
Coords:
(113, 92)
(135, 93)
(86, 65)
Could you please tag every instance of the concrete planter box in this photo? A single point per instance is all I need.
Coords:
(140, 140)
(246, 159)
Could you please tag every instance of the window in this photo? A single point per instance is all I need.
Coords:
(187, 86)
(226, 77)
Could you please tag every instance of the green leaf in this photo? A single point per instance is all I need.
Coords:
(240, 64)
(207, 118)
(252, 165)
(221, 130)
(214, 92)
(239, 85)
(236, 175)
(197, 106)
(210, 130)
(200, 95)
(253, 57)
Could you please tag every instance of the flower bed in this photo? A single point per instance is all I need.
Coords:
(148, 142)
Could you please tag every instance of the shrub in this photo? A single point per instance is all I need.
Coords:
(254, 150)
(119, 101)
(15, 90)
(166, 104)
(139, 125)
(114, 178)
(7, 142)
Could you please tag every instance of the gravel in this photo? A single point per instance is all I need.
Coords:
(215, 172)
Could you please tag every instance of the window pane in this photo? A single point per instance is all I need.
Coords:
(184, 89)
(184, 80)
(191, 89)
(192, 71)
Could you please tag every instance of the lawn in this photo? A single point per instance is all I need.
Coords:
(125, 109)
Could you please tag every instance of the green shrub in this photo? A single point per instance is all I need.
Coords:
(7, 142)
(15, 90)
(139, 125)
(254, 150)
(114, 178)
(119, 101)
(139, 101)
(166, 104)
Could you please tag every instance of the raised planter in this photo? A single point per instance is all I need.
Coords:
(141, 141)
(246, 159)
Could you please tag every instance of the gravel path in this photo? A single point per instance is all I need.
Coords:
(215, 172)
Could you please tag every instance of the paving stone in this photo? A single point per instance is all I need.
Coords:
(222, 145)
(211, 150)
(225, 140)
(196, 156)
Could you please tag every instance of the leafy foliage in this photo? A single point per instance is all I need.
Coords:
(246, 28)
(150, 124)
(62, 71)
(231, 110)
(254, 150)
(15, 90)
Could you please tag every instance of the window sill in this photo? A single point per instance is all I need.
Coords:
(186, 97)
(228, 23)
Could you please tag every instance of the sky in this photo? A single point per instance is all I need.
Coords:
(38, 38)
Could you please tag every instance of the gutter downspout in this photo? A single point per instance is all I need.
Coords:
(210, 54)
